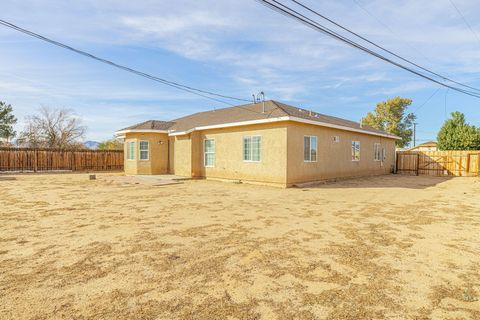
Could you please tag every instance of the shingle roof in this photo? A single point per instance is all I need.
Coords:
(425, 144)
(318, 117)
(150, 125)
(428, 143)
(248, 112)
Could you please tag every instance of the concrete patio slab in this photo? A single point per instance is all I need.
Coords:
(157, 180)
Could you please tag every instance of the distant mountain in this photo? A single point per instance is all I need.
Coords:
(91, 144)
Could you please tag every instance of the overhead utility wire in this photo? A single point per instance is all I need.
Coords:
(465, 20)
(380, 47)
(426, 101)
(199, 92)
(387, 27)
(318, 27)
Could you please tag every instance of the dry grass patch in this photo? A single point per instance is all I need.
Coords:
(389, 247)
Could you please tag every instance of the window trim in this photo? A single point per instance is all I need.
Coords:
(205, 153)
(260, 149)
(140, 150)
(128, 150)
(310, 153)
(378, 146)
(359, 150)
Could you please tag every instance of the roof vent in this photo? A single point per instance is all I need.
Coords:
(260, 97)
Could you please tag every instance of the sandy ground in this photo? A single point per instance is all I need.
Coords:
(393, 247)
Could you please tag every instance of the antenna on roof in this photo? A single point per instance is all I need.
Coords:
(260, 97)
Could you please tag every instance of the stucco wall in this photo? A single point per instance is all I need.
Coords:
(229, 163)
(171, 155)
(334, 159)
(182, 156)
(158, 160)
(281, 154)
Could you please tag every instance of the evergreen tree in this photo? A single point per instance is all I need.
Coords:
(457, 134)
(7, 120)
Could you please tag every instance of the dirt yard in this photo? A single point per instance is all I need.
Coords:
(393, 247)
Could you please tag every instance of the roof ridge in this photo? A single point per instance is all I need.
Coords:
(276, 103)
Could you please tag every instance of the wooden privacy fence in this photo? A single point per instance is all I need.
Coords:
(439, 163)
(37, 160)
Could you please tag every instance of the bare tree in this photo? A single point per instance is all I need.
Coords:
(52, 128)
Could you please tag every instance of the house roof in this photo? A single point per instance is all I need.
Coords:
(150, 125)
(425, 144)
(428, 144)
(252, 113)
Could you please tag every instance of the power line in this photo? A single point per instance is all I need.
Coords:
(431, 96)
(378, 46)
(203, 93)
(387, 27)
(465, 20)
(318, 27)
(446, 93)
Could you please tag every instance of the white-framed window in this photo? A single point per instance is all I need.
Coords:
(355, 150)
(252, 148)
(377, 152)
(209, 152)
(131, 150)
(144, 150)
(309, 148)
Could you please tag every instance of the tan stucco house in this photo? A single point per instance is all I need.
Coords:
(427, 146)
(268, 143)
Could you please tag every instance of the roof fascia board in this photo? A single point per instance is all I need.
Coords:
(140, 131)
(335, 126)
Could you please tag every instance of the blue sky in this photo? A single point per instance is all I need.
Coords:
(235, 48)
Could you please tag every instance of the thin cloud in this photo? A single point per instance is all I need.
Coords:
(234, 47)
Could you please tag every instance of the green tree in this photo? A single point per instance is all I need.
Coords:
(390, 116)
(7, 120)
(112, 144)
(457, 134)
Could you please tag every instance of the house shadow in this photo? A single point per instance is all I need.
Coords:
(383, 181)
